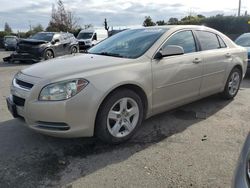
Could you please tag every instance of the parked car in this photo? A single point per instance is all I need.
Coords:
(242, 172)
(10, 42)
(44, 46)
(90, 37)
(126, 78)
(244, 40)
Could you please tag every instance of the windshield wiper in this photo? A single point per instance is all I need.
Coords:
(109, 54)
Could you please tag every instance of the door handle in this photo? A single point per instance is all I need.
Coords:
(228, 55)
(197, 60)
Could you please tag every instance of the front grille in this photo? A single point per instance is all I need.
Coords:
(23, 84)
(24, 48)
(82, 43)
(55, 126)
(18, 100)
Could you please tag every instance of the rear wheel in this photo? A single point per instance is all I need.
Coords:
(119, 116)
(233, 84)
(48, 54)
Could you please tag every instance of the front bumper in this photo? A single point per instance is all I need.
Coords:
(26, 56)
(74, 117)
(83, 46)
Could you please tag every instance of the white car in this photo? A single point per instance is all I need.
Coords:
(126, 78)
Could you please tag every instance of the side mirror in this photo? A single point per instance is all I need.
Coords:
(169, 51)
(55, 41)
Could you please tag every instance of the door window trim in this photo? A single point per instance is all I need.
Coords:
(217, 35)
(197, 47)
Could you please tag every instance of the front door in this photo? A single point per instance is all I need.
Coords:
(177, 79)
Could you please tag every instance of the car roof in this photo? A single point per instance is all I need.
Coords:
(55, 32)
(199, 27)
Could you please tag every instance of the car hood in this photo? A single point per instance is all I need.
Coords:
(32, 41)
(69, 65)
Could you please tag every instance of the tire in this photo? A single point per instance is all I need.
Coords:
(48, 54)
(73, 50)
(233, 84)
(114, 124)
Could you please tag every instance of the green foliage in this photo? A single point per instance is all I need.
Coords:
(228, 24)
(161, 22)
(192, 20)
(224, 24)
(148, 22)
(173, 21)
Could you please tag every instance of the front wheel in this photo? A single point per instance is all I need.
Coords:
(48, 54)
(73, 50)
(233, 84)
(119, 116)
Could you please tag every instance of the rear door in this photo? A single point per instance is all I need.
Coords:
(216, 57)
(58, 45)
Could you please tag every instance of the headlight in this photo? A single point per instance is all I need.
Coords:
(88, 42)
(62, 90)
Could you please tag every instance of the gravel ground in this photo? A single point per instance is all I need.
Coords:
(196, 145)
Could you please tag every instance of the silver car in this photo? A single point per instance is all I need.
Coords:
(242, 172)
(125, 79)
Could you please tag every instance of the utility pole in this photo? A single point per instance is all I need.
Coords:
(239, 7)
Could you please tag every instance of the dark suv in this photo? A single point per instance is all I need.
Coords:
(45, 45)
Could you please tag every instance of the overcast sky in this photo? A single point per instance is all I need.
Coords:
(20, 13)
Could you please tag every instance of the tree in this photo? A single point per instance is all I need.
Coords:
(87, 26)
(7, 28)
(106, 25)
(148, 22)
(161, 22)
(201, 16)
(62, 19)
(37, 28)
(173, 21)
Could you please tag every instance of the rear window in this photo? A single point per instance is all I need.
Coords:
(208, 40)
(222, 43)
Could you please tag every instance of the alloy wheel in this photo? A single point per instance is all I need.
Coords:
(234, 83)
(123, 117)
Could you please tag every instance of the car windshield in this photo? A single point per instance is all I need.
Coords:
(129, 43)
(84, 36)
(43, 36)
(243, 40)
(10, 40)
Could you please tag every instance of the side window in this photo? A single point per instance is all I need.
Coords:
(208, 40)
(95, 37)
(185, 39)
(222, 43)
(57, 37)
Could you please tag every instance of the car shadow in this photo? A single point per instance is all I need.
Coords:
(15, 64)
(29, 159)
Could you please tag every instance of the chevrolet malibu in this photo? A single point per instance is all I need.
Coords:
(125, 79)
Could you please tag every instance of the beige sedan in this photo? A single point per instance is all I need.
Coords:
(126, 78)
